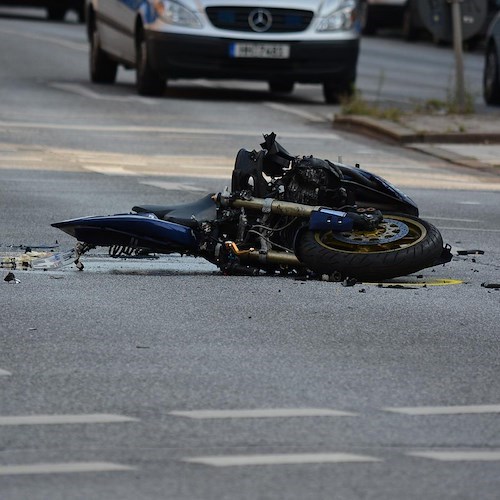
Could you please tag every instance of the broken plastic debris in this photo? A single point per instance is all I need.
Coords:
(349, 282)
(470, 252)
(491, 285)
(37, 260)
(10, 278)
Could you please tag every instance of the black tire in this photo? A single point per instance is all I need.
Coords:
(102, 68)
(148, 81)
(491, 77)
(281, 87)
(56, 13)
(336, 90)
(324, 253)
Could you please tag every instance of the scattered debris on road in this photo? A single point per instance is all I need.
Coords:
(10, 278)
(470, 252)
(36, 260)
(496, 286)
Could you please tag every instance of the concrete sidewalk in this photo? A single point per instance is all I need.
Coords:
(470, 140)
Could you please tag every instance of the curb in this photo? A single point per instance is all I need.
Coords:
(454, 158)
(405, 135)
(422, 142)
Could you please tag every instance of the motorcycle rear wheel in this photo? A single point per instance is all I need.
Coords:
(401, 245)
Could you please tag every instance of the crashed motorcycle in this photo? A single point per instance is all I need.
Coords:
(283, 214)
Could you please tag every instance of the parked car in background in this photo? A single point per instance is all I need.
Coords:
(491, 74)
(406, 15)
(278, 41)
(56, 9)
(400, 14)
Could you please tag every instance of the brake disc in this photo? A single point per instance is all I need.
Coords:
(388, 231)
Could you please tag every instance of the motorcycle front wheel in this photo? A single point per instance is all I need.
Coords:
(400, 245)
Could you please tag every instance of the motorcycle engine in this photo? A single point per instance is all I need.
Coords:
(312, 181)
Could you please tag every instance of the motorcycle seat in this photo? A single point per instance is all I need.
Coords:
(186, 214)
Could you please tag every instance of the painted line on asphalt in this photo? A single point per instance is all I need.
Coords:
(109, 170)
(82, 47)
(263, 413)
(4, 373)
(173, 186)
(298, 112)
(62, 468)
(166, 130)
(458, 456)
(448, 218)
(280, 459)
(480, 229)
(445, 410)
(96, 418)
(83, 91)
(469, 203)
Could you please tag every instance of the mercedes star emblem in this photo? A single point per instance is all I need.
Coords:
(260, 20)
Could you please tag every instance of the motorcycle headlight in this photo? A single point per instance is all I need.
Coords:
(337, 15)
(173, 12)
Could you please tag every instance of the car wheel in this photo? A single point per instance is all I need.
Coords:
(148, 81)
(491, 77)
(368, 25)
(56, 13)
(334, 90)
(281, 87)
(102, 68)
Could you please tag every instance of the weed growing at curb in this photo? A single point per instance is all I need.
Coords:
(356, 105)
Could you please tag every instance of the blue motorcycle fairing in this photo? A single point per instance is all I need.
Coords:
(132, 230)
(326, 219)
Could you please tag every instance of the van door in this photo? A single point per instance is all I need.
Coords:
(116, 27)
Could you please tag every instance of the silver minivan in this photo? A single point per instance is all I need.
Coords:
(278, 41)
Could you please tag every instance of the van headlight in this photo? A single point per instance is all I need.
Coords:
(337, 15)
(173, 12)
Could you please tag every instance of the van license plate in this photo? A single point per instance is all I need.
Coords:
(260, 50)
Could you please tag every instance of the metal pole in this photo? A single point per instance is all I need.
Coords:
(456, 12)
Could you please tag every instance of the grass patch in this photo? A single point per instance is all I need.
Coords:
(356, 105)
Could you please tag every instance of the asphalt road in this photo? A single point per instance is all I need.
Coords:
(316, 390)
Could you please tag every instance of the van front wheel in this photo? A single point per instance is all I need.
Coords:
(102, 68)
(149, 82)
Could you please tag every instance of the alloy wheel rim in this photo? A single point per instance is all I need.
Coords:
(384, 239)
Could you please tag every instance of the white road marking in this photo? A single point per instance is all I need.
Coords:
(166, 130)
(86, 92)
(298, 112)
(4, 373)
(62, 468)
(480, 229)
(109, 170)
(280, 459)
(173, 186)
(448, 218)
(96, 418)
(445, 410)
(458, 456)
(18, 157)
(263, 413)
(469, 203)
(82, 47)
